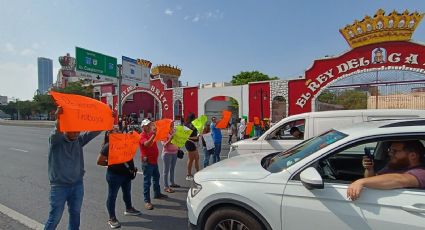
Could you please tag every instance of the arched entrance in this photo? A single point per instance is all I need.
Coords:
(278, 109)
(178, 110)
(215, 105)
(383, 89)
(141, 104)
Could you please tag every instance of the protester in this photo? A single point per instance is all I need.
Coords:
(216, 134)
(169, 156)
(242, 129)
(66, 171)
(231, 130)
(190, 146)
(405, 169)
(207, 145)
(149, 157)
(118, 176)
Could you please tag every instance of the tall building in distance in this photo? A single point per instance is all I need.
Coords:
(45, 74)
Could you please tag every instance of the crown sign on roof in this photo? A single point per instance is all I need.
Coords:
(166, 69)
(381, 28)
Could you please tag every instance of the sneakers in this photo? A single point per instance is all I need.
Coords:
(114, 223)
(175, 186)
(189, 177)
(148, 206)
(132, 212)
(160, 196)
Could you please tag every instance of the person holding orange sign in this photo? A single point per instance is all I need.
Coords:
(149, 155)
(66, 172)
(118, 176)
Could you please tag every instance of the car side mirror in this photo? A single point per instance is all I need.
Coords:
(311, 179)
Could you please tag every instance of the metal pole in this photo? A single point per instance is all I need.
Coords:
(376, 96)
(119, 89)
(261, 102)
(17, 107)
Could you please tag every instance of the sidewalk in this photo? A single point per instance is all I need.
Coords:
(8, 223)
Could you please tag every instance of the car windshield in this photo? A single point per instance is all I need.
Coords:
(287, 158)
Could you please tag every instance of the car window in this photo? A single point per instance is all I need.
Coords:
(345, 165)
(287, 158)
(282, 132)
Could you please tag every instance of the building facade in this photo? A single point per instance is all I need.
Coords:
(45, 74)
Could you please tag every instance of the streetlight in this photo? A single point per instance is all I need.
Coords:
(119, 89)
(17, 107)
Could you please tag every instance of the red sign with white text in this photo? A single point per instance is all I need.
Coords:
(384, 56)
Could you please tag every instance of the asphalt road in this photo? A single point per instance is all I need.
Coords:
(24, 185)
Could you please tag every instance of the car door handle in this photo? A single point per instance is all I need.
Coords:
(412, 208)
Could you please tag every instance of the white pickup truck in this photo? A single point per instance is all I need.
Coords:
(312, 124)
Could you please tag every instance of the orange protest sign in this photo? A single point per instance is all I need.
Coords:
(82, 113)
(122, 147)
(256, 121)
(222, 124)
(249, 128)
(163, 127)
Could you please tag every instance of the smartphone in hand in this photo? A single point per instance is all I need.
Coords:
(368, 153)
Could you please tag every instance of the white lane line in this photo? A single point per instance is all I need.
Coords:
(21, 218)
(19, 150)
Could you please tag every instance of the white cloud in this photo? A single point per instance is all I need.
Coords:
(9, 47)
(27, 52)
(18, 80)
(35, 45)
(196, 19)
(209, 15)
(169, 12)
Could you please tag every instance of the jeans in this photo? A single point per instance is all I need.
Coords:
(207, 155)
(73, 196)
(170, 160)
(151, 172)
(217, 151)
(115, 182)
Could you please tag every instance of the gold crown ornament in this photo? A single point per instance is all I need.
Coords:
(381, 28)
(166, 70)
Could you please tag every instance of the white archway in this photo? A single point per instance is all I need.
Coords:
(239, 93)
(143, 91)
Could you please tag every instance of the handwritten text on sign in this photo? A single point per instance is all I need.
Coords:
(82, 113)
(122, 147)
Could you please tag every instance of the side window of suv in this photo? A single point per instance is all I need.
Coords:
(283, 132)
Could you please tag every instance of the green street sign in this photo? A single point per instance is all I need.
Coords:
(90, 61)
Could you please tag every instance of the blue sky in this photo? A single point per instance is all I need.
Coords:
(210, 40)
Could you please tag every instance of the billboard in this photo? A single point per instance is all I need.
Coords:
(134, 73)
(93, 62)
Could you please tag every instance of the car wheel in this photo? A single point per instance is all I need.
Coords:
(230, 218)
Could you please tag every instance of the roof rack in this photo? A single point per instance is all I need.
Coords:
(416, 122)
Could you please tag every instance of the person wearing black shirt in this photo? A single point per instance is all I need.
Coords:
(118, 176)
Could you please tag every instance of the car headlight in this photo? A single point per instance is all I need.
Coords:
(195, 188)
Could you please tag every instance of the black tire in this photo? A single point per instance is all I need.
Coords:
(224, 216)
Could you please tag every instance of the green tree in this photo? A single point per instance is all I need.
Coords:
(44, 104)
(76, 88)
(353, 99)
(245, 77)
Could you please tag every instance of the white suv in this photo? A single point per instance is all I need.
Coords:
(305, 187)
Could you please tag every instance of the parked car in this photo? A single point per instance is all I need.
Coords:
(305, 187)
(311, 124)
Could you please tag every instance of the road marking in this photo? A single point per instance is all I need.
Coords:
(21, 218)
(19, 150)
